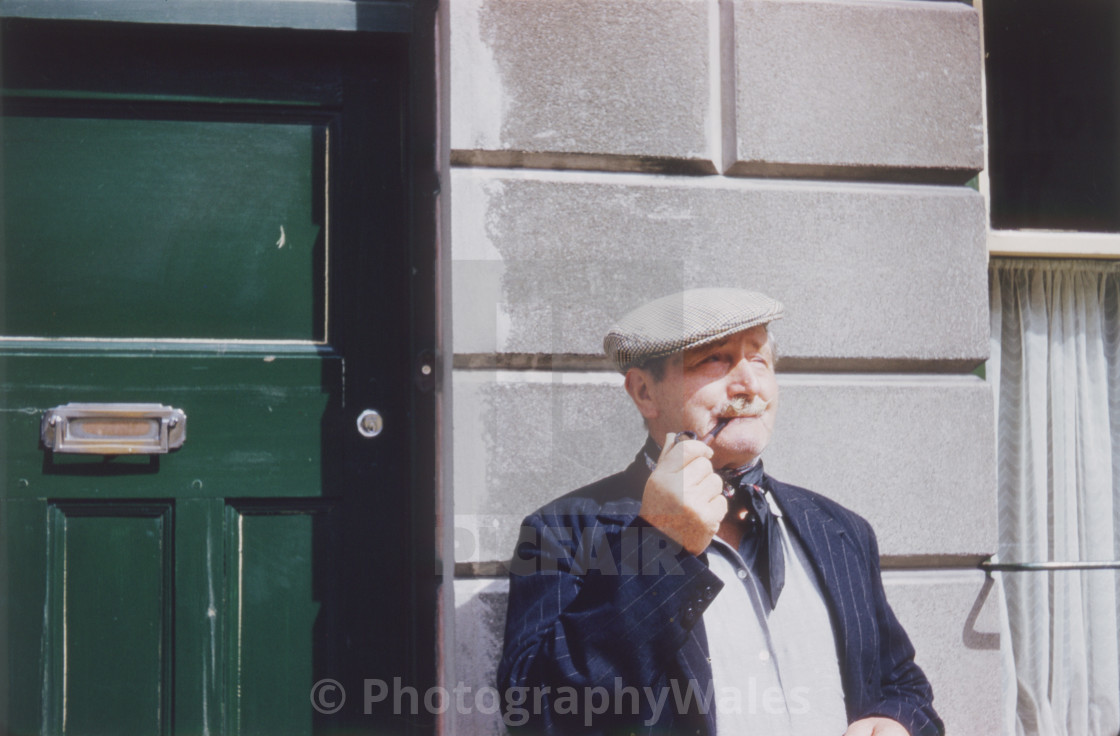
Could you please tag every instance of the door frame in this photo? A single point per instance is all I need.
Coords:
(425, 158)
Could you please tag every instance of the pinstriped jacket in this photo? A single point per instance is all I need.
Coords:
(604, 630)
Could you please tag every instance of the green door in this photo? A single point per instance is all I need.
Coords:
(212, 220)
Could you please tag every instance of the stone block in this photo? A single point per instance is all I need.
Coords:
(849, 88)
(522, 438)
(873, 276)
(475, 649)
(578, 83)
(915, 455)
(951, 617)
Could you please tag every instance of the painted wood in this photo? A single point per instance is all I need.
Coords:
(1053, 244)
(208, 589)
(326, 15)
(176, 229)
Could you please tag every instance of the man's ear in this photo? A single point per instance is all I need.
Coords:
(638, 384)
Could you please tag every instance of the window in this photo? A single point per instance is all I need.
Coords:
(1052, 75)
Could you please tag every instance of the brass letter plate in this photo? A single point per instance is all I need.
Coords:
(113, 429)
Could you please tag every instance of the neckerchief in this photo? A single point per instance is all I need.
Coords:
(761, 547)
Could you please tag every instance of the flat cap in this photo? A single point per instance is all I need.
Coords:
(686, 320)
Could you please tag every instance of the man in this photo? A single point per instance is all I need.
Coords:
(692, 593)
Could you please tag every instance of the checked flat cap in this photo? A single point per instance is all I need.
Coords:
(686, 320)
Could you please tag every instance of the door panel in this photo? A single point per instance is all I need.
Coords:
(254, 423)
(214, 220)
(284, 558)
(110, 609)
(151, 228)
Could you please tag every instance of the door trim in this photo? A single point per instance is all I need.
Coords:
(313, 15)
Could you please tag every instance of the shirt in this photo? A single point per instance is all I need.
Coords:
(775, 673)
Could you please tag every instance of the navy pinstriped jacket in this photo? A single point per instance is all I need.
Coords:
(604, 618)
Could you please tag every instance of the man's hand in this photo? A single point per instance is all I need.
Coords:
(683, 496)
(877, 726)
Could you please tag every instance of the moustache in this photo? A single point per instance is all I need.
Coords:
(736, 408)
(741, 406)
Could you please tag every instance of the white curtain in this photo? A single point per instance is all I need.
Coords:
(1055, 369)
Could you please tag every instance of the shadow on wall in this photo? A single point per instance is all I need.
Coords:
(972, 638)
(480, 616)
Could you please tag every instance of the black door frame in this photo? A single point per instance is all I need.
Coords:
(416, 20)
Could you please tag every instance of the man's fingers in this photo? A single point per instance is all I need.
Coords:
(676, 455)
(686, 503)
(713, 485)
(697, 471)
(715, 510)
(876, 726)
(687, 470)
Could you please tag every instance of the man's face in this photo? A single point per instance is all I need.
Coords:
(705, 384)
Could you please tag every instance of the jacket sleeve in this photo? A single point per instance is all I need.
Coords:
(906, 695)
(596, 613)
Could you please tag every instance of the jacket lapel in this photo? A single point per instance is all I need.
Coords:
(821, 536)
(841, 572)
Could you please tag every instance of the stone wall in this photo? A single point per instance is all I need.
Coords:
(605, 152)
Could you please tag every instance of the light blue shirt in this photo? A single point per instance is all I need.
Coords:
(773, 673)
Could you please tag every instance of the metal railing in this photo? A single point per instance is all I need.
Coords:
(1047, 566)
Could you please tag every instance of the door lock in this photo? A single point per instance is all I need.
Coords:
(370, 423)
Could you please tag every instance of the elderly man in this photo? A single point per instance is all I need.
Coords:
(692, 593)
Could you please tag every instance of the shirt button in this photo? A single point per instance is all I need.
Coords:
(742, 574)
(764, 655)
